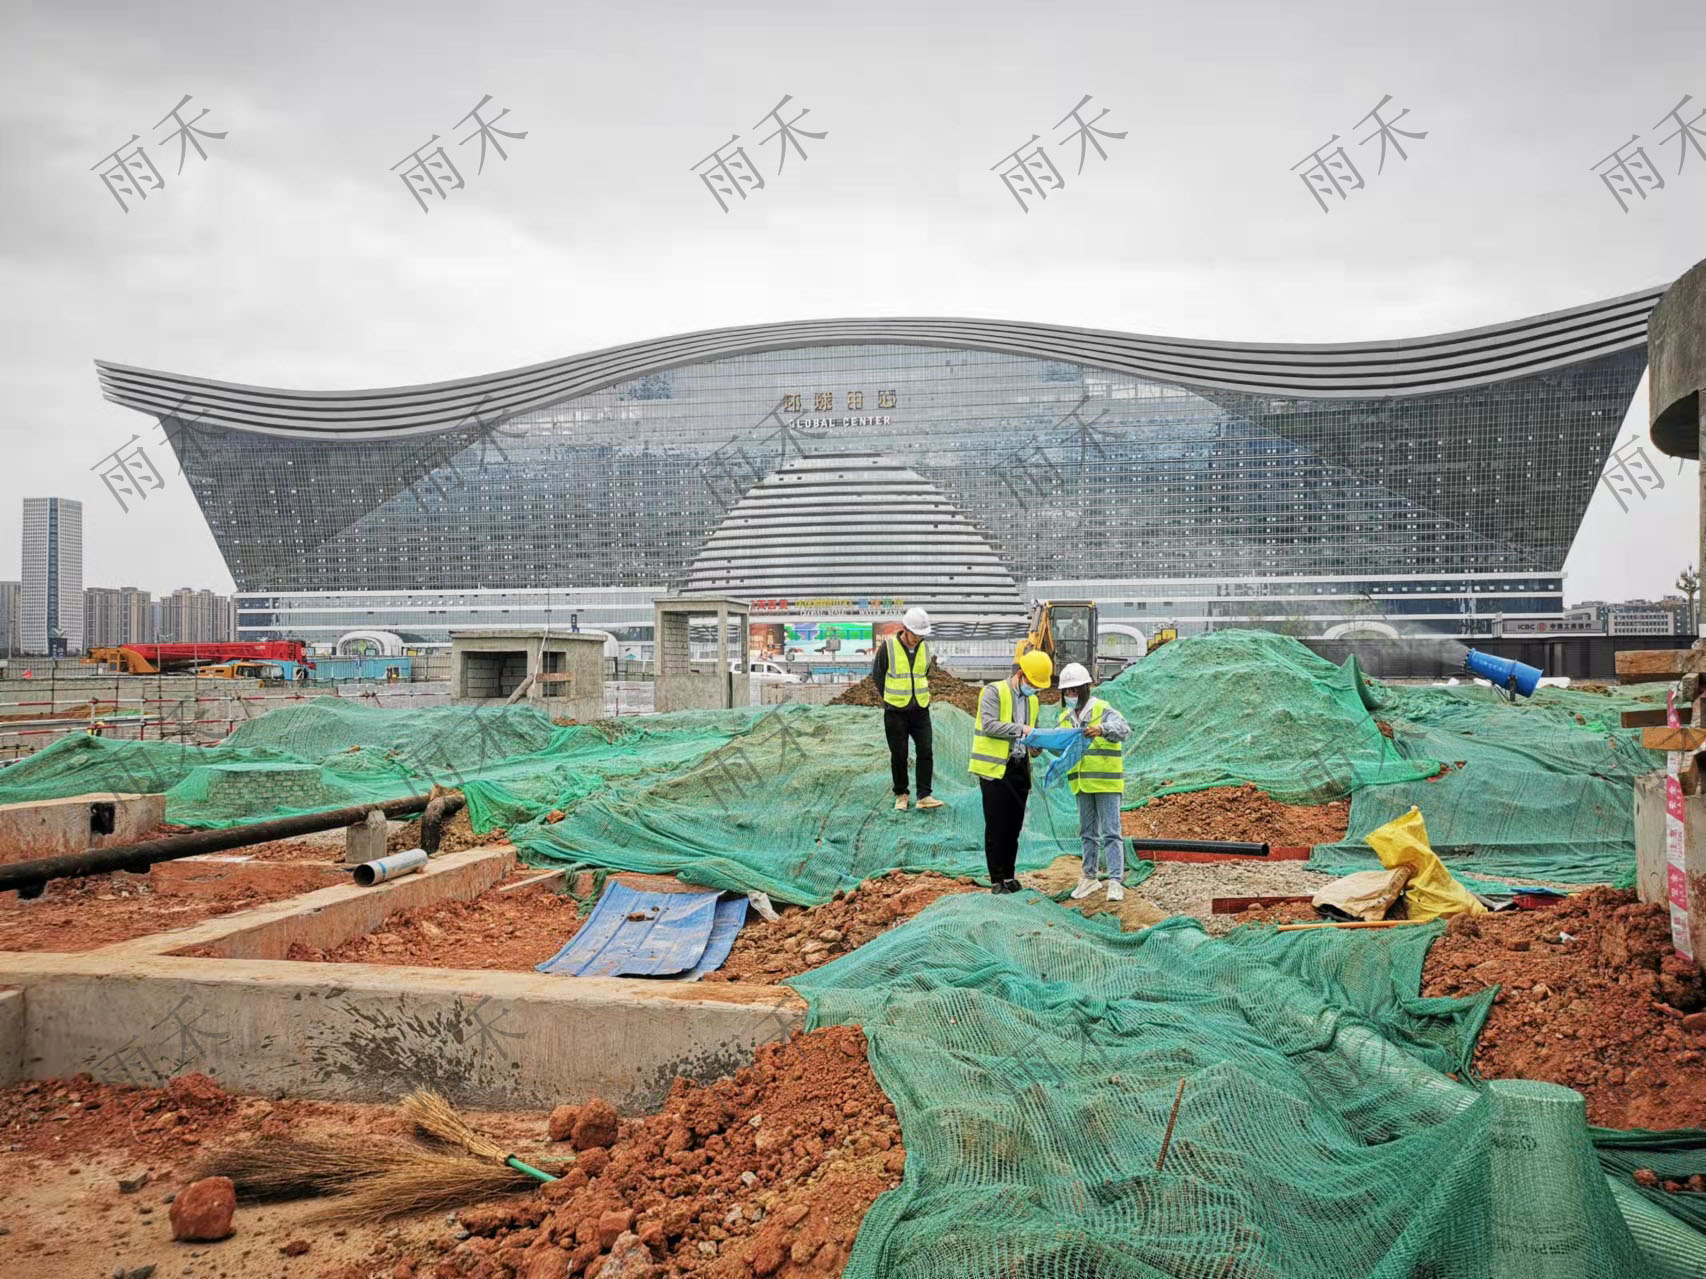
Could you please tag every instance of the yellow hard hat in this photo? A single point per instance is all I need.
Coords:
(1037, 667)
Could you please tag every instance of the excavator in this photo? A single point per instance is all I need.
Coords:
(1065, 630)
(1068, 631)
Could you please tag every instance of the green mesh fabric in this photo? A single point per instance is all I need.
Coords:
(798, 805)
(1248, 706)
(793, 801)
(1034, 1056)
(1540, 789)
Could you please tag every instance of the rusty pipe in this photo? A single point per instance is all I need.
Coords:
(439, 810)
(30, 877)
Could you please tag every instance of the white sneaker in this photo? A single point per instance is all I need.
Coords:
(1085, 887)
(900, 803)
(1116, 891)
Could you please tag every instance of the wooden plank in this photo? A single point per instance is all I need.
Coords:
(1673, 739)
(1654, 718)
(556, 677)
(1232, 905)
(1645, 665)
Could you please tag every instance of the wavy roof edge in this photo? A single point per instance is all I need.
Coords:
(1397, 368)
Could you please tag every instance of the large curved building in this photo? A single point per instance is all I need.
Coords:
(839, 470)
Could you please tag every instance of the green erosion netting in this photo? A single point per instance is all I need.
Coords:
(795, 800)
(1033, 1056)
(1540, 789)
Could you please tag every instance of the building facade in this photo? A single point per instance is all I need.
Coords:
(117, 615)
(840, 471)
(51, 595)
(10, 597)
(194, 617)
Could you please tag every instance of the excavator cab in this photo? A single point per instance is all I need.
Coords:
(1065, 630)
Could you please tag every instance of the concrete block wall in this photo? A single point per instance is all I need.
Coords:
(53, 827)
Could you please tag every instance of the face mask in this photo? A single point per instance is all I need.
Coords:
(1025, 690)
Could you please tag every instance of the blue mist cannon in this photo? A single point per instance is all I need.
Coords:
(1506, 675)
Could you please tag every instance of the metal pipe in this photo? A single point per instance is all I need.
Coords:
(389, 867)
(438, 811)
(30, 877)
(1198, 846)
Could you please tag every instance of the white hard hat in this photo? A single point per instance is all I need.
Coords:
(1074, 676)
(916, 620)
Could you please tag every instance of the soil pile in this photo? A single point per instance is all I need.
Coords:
(81, 914)
(455, 835)
(64, 1117)
(513, 931)
(1238, 813)
(943, 688)
(808, 938)
(1611, 1012)
(769, 1173)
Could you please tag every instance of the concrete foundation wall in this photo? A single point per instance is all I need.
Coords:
(11, 1036)
(709, 691)
(810, 694)
(51, 827)
(356, 1032)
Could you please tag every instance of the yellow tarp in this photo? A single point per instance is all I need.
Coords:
(1432, 890)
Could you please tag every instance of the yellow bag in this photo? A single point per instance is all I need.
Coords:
(1432, 890)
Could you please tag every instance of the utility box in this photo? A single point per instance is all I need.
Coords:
(721, 677)
(558, 672)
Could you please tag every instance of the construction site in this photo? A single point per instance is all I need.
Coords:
(715, 833)
(1394, 991)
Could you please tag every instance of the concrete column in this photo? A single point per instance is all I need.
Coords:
(365, 840)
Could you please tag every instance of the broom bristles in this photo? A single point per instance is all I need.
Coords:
(433, 1114)
(294, 1168)
(423, 1182)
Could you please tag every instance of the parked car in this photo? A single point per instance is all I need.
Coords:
(767, 672)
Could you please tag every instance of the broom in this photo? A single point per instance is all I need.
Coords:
(436, 1117)
(424, 1181)
(371, 1183)
(294, 1169)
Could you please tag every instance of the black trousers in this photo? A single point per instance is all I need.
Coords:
(901, 724)
(1003, 816)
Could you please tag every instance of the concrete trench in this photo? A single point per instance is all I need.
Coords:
(140, 1012)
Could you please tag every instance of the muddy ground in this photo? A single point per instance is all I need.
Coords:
(1611, 1012)
(513, 931)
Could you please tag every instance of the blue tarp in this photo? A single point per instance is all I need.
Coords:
(634, 934)
(731, 918)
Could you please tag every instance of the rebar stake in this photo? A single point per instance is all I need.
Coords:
(1167, 1139)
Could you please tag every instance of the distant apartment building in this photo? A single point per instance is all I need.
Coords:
(10, 594)
(195, 617)
(117, 615)
(51, 595)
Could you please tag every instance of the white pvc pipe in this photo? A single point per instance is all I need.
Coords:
(378, 871)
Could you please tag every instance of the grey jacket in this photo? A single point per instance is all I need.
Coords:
(1114, 726)
(990, 723)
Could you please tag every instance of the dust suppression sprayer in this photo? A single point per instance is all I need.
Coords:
(1509, 677)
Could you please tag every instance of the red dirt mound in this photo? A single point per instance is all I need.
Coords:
(1239, 813)
(803, 939)
(769, 1173)
(1612, 1012)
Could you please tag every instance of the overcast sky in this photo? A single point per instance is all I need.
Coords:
(293, 256)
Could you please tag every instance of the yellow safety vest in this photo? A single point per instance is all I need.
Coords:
(1102, 770)
(989, 755)
(904, 677)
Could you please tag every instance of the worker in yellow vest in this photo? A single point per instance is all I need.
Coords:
(1098, 780)
(901, 672)
(1006, 712)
